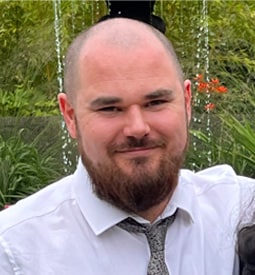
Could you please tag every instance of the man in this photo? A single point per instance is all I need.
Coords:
(129, 109)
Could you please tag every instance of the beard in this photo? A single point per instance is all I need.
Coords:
(144, 186)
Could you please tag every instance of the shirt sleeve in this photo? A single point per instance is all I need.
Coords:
(5, 260)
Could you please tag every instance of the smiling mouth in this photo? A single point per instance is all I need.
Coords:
(137, 147)
(136, 150)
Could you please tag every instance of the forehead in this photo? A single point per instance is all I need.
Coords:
(131, 78)
(137, 60)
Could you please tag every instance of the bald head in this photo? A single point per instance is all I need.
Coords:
(120, 34)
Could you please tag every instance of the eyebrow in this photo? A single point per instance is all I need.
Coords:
(111, 100)
(159, 93)
(102, 101)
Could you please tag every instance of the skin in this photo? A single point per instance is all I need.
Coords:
(128, 90)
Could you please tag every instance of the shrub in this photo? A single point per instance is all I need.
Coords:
(234, 144)
(24, 168)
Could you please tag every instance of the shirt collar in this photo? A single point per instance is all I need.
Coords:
(102, 215)
(184, 197)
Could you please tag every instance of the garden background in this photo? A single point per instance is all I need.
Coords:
(215, 42)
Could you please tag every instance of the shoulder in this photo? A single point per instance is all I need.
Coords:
(38, 204)
(216, 177)
(221, 192)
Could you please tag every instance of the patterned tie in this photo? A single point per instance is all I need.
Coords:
(156, 234)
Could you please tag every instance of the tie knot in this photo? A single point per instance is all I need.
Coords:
(156, 234)
(130, 225)
(133, 226)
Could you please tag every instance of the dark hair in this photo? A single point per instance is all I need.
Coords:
(246, 249)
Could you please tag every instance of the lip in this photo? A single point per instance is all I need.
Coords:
(137, 151)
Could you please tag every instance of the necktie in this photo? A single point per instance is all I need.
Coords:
(156, 234)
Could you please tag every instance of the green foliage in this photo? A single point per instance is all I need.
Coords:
(27, 46)
(28, 58)
(241, 133)
(235, 145)
(25, 168)
(217, 42)
(21, 103)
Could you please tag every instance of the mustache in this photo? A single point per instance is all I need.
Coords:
(133, 143)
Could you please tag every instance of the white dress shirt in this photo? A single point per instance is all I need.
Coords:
(65, 229)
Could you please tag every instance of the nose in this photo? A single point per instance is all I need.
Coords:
(135, 124)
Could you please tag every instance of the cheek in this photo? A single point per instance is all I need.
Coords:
(174, 128)
(181, 137)
(94, 138)
(90, 139)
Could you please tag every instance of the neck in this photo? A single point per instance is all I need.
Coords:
(152, 213)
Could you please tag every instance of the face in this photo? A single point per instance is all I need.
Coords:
(130, 117)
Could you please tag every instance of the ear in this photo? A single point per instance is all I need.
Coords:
(68, 114)
(187, 97)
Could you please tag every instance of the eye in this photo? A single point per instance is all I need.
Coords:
(156, 102)
(109, 109)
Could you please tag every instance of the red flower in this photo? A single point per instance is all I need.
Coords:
(215, 81)
(209, 107)
(202, 87)
(222, 89)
